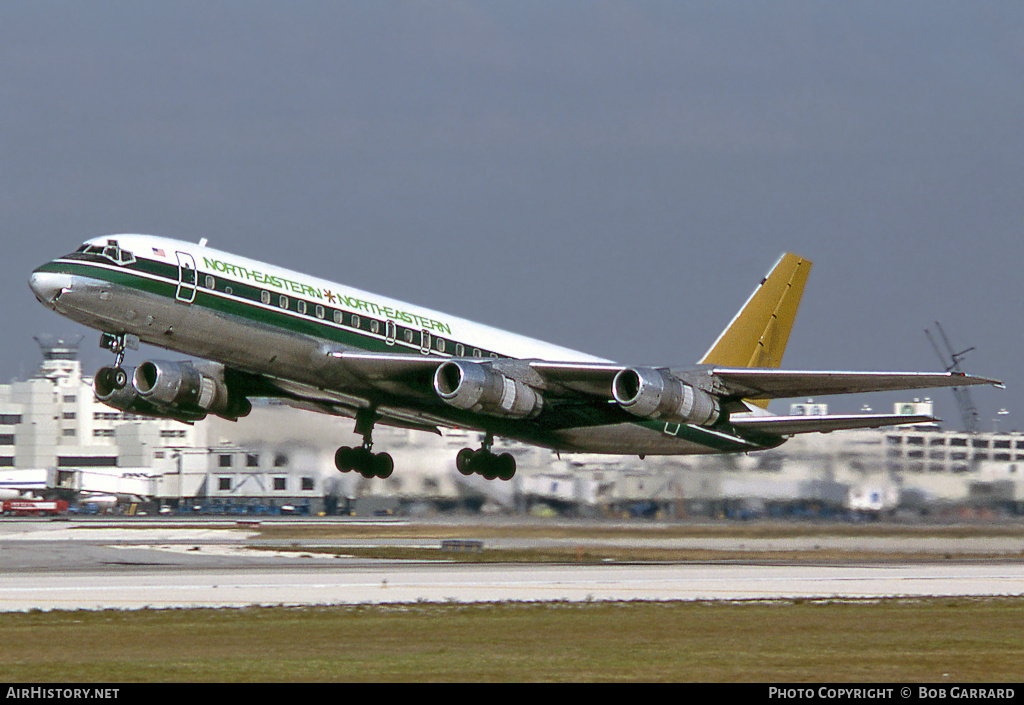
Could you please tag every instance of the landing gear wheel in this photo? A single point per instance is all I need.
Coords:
(109, 380)
(344, 459)
(463, 461)
(383, 465)
(506, 466)
(364, 462)
(486, 464)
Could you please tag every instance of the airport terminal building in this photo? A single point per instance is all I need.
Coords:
(56, 439)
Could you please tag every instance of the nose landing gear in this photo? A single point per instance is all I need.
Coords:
(111, 379)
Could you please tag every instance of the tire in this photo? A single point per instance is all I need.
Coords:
(344, 459)
(506, 466)
(464, 461)
(383, 465)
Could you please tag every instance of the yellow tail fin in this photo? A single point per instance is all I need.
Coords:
(757, 336)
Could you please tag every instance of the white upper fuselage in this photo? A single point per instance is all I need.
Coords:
(283, 282)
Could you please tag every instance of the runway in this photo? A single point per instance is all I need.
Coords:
(45, 568)
(394, 583)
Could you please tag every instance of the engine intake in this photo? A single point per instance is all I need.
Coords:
(656, 394)
(476, 387)
(183, 387)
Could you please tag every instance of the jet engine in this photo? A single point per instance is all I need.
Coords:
(656, 394)
(476, 387)
(125, 398)
(181, 386)
(174, 390)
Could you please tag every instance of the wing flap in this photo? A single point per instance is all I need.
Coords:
(301, 396)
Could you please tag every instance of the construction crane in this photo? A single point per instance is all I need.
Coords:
(968, 412)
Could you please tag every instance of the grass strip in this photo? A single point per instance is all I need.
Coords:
(890, 640)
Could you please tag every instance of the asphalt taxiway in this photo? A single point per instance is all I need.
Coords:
(70, 565)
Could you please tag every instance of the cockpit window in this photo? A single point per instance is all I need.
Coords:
(111, 251)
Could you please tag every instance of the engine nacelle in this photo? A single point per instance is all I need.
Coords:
(476, 387)
(182, 387)
(125, 398)
(656, 394)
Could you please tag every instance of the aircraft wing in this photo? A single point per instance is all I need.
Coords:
(751, 383)
(324, 401)
(586, 378)
(585, 390)
(385, 366)
(594, 379)
(792, 425)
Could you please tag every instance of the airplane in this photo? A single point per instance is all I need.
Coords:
(262, 331)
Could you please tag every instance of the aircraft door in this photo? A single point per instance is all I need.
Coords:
(187, 278)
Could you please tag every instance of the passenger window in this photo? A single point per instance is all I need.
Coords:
(210, 283)
(265, 297)
(391, 332)
(337, 316)
(460, 350)
(375, 326)
(407, 335)
(301, 306)
(440, 345)
(319, 311)
(283, 301)
(356, 320)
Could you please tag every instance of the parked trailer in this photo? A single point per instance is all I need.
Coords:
(33, 507)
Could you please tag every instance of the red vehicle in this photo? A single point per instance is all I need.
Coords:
(33, 507)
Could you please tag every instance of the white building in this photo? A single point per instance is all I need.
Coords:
(52, 427)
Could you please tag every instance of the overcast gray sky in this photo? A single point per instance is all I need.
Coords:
(614, 177)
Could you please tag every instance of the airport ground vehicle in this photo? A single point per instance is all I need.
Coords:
(33, 507)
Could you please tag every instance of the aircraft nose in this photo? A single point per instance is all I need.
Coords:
(47, 286)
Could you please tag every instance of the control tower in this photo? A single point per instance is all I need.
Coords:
(60, 359)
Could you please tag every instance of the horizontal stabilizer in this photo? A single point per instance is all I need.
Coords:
(780, 384)
(792, 425)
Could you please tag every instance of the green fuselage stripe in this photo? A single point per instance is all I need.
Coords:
(356, 329)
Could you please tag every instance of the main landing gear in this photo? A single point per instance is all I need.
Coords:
(362, 459)
(115, 378)
(484, 462)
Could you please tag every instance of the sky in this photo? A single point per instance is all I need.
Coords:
(611, 176)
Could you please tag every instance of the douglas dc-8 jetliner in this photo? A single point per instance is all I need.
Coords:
(264, 331)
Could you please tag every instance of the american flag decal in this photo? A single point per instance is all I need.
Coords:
(157, 251)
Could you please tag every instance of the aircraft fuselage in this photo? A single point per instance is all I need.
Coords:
(289, 328)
